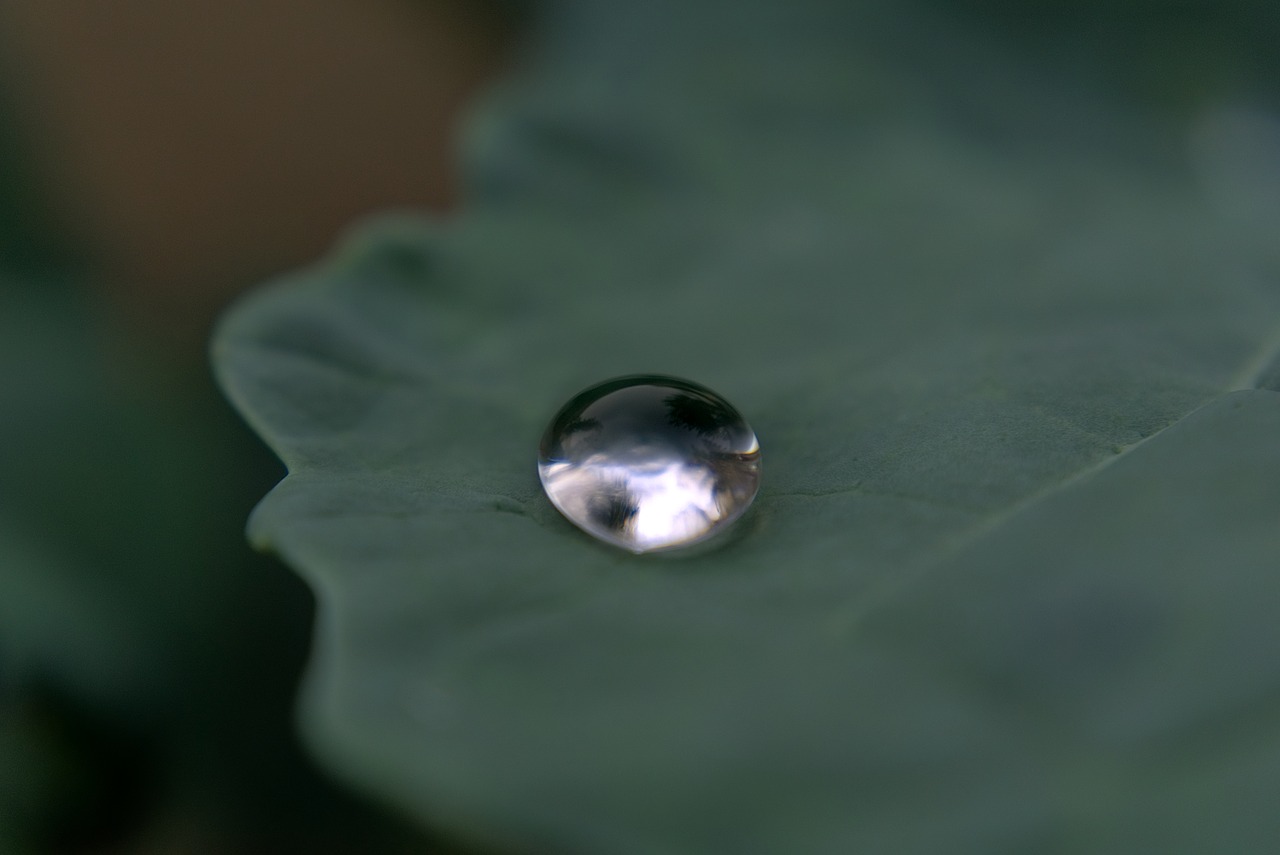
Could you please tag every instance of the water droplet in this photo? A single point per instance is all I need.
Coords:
(649, 462)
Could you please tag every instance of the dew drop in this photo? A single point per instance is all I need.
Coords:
(649, 462)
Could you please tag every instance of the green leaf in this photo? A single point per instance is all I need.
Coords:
(1010, 583)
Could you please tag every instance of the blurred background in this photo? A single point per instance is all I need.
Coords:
(157, 158)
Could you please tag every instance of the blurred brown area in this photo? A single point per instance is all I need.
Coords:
(193, 148)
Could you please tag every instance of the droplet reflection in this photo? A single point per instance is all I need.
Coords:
(649, 462)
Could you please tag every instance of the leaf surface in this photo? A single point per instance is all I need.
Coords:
(1010, 578)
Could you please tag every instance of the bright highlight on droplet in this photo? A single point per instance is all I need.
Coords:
(649, 462)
